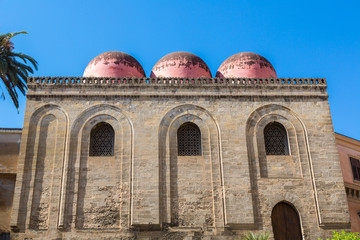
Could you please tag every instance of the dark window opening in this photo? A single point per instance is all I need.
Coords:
(355, 166)
(275, 137)
(102, 140)
(189, 140)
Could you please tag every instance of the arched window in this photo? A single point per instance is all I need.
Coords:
(102, 140)
(276, 142)
(189, 140)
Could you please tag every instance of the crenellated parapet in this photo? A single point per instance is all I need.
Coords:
(177, 81)
(102, 87)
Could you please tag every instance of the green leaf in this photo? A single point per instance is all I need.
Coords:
(3, 65)
(344, 236)
(253, 236)
(13, 73)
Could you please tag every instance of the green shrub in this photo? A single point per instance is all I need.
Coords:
(252, 236)
(344, 236)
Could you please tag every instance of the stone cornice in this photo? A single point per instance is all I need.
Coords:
(176, 87)
(219, 82)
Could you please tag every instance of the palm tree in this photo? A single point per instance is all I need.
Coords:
(252, 236)
(12, 72)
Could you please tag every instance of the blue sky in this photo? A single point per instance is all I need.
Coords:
(300, 38)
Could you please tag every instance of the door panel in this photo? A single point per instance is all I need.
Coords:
(285, 222)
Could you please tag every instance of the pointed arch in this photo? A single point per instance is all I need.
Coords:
(260, 163)
(78, 159)
(43, 144)
(285, 221)
(168, 161)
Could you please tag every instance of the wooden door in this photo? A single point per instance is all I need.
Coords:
(285, 222)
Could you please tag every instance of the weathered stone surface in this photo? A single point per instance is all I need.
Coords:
(147, 191)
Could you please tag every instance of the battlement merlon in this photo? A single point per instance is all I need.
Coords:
(175, 87)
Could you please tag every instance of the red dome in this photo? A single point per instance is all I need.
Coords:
(246, 65)
(181, 64)
(114, 64)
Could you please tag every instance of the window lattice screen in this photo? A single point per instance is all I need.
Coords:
(275, 139)
(102, 140)
(189, 140)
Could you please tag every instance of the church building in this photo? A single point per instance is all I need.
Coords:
(178, 155)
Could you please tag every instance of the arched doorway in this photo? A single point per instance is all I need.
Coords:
(285, 222)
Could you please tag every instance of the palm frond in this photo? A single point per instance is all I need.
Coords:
(253, 236)
(3, 65)
(25, 57)
(13, 73)
(16, 64)
(17, 33)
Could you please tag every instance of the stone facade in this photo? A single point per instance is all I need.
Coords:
(146, 190)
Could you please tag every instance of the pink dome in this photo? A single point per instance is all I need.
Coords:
(114, 64)
(181, 64)
(246, 65)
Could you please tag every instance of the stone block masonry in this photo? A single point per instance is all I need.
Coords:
(145, 190)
